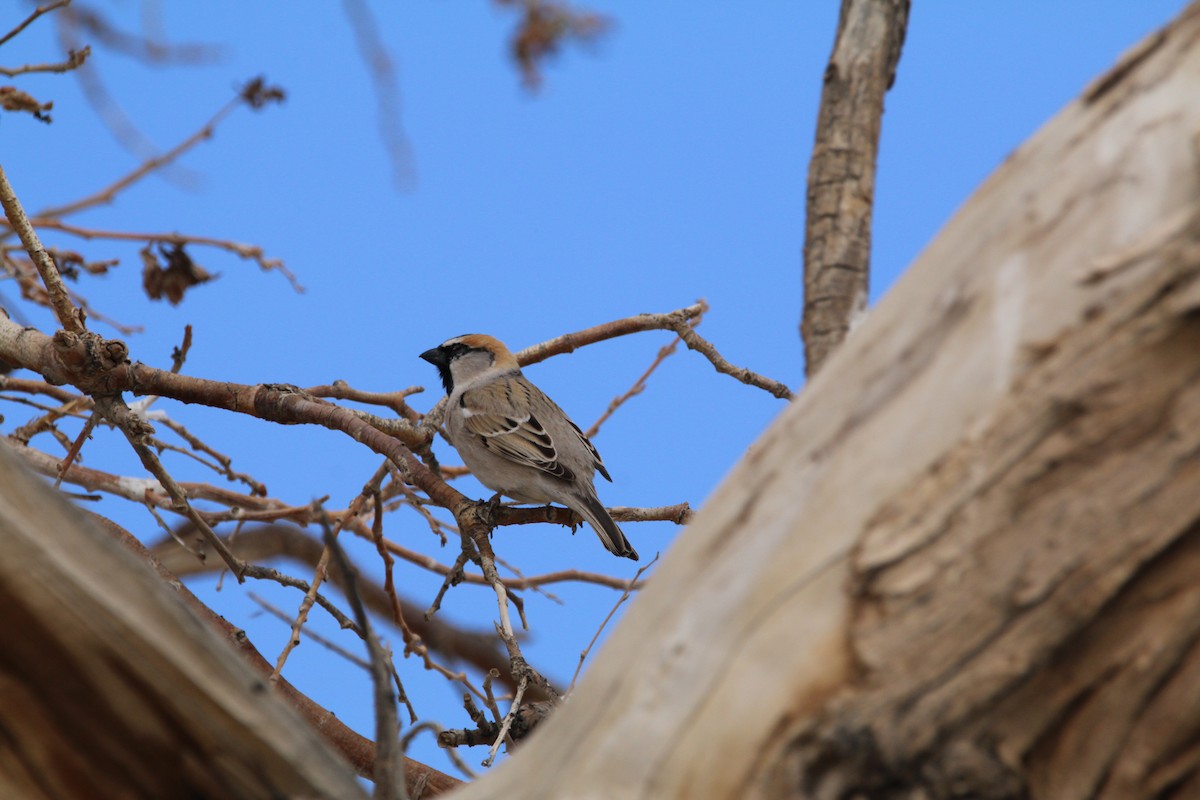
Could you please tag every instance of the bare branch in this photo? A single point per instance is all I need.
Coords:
(68, 315)
(108, 193)
(328, 644)
(387, 90)
(502, 734)
(249, 252)
(36, 387)
(84, 434)
(322, 566)
(841, 174)
(340, 390)
(389, 764)
(625, 595)
(638, 387)
(682, 321)
(358, 751)
(136, 430)
(141, 47)
(696, 342)
(570, 342)
(680, 514)
(477, 648)
(37, 12)
(146, 490)
(74, 59)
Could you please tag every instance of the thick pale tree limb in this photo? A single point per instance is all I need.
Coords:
(962, 563)
(423, 781)
(841, 173)
(109, 687)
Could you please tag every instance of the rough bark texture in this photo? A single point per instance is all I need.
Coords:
(963, 563)
(109, 687)
(421, 780)
(841, 173)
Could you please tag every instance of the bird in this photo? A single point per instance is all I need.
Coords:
(515, 439)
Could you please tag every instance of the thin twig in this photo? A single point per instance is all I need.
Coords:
(696, 342)
(36, 387)
(570, 342)
(247, 251)
(453, 576)
(508, 720)
(638, 387)
(144, 46)
(162, 523)
(271, 574)
(340, 390)
(179, 354)
(328, 644)
(489, 696)
(89, 312)
(452, 754)
(520, 668)
(224, 465)
(319, 572)
(86, 433)
(108, 193)
(389, 762)
(243, 507)
(68, 316)
(136, 430)
(74, 59)
(633, 583)
(518, 574)
(389, 586)
(72, 408)
(387, 89)
(37, 12)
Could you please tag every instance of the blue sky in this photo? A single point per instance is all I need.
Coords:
(663, 163)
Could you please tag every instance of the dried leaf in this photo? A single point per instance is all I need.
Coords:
(173, 280)
(13, 99)
(543, 28)
(257, 93)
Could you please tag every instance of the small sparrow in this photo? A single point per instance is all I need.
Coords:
(515, 439)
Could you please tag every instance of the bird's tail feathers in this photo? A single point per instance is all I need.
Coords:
(610, 535)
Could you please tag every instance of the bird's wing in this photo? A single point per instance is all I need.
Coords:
(501, 414)
(591, 448)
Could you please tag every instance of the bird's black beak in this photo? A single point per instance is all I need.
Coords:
(440, 358)
(435, 356)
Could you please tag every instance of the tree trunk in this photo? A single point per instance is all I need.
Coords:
(963, 563)
(841, 173)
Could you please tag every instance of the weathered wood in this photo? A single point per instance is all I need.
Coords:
(422, 781)
(963, 562)
(841, 172)
(109, 687)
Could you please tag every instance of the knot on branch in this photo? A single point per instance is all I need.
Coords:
(524, 720)
(90, 362)
(279, 402)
